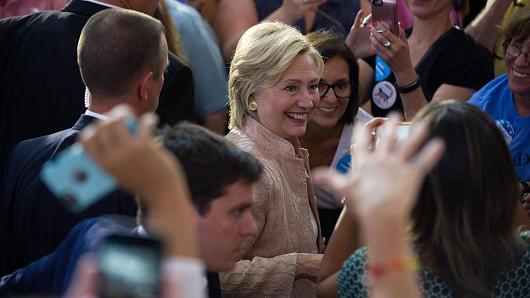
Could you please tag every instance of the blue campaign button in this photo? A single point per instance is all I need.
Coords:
(382, 70)
(344, 164)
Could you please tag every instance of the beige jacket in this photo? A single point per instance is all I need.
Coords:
(284, 207)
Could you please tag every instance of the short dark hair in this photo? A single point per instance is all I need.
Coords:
(115, 47)
(331, 45)
(210, 162)
(518, 27)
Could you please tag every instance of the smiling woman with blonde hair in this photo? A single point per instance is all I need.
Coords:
(273, 89)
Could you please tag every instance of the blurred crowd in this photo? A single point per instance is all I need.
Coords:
(264, 148)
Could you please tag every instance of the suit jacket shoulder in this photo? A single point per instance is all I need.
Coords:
(51, 275)
(32, 221)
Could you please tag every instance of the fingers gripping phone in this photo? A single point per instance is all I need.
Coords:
(76, 179)
(129, 266)
(402, 132)
(384, 13)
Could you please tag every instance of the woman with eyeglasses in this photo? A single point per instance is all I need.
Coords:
(235, 16)
(507, 98)
(329, 131)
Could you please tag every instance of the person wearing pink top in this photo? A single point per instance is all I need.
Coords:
(12, 8)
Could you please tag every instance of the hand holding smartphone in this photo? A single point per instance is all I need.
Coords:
(130, 266)
(384, 14)
(76, 179)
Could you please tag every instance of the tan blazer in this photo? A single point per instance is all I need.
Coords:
(284, 209)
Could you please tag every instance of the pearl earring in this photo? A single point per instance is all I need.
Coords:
(253, 106)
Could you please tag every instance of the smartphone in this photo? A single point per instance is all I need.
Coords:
(402, 131)
(129, 266)
(76, 179)
(384, 12)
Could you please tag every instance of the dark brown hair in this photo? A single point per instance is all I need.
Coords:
(331, 45)
(210, 162)
(463, 222)
(115, 47)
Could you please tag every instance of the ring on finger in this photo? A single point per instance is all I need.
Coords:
(387, 44)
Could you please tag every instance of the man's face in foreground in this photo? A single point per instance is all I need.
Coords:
(225, 226)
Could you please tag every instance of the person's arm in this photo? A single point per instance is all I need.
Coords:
(470, 69)
(234, 17)
(388, 241)
(396, 55)
(269, 276)
(462, 79)
(485, 27)
(366, 78)
(48, 275)
(382, 204)
(447, 91)
(343, 242)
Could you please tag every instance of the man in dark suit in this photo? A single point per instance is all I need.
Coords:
(41, 91)
(126, 66)
(220, 179)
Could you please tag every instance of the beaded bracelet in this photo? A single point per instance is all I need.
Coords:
(374, 272)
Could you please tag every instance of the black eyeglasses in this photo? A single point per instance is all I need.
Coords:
(342, 89)
(514, 49)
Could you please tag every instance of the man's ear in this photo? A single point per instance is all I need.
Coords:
(145, 85)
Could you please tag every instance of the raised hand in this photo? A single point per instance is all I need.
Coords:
(384, 181)
(134, 160)
(358, 39)
(149, 170)
(394, 50)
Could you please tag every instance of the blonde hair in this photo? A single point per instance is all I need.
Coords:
(262, 55)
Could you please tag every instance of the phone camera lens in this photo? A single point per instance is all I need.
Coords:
(80, 176)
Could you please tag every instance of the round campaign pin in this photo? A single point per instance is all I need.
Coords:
(384, 94)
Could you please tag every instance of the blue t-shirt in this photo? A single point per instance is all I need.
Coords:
(512, 282)
(496, 99)
(201, 47)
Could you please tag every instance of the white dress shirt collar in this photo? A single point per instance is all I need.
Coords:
(102, 3)
(97, 115)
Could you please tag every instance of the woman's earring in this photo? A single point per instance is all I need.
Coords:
(253, 106)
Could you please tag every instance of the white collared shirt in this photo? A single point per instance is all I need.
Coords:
(102, 3)
(97, 115)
